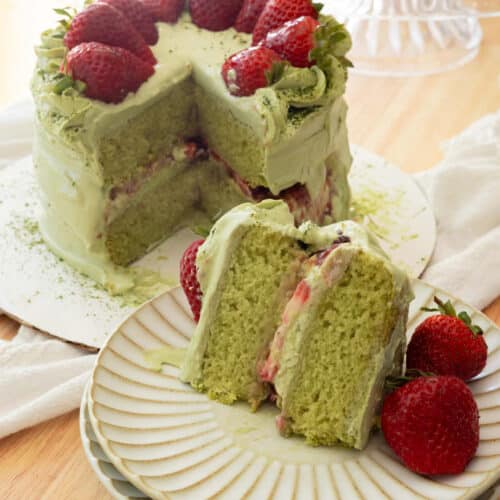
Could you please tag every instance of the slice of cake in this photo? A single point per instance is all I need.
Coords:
(341, 335)
(247, 269)
(314, 315)
(120, 173)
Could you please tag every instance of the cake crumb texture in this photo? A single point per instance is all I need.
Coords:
(248, 313)
(349, 330)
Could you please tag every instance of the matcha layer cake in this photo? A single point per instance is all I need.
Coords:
(117, 179)
(314, 315)
(342, 333)
(247, 268)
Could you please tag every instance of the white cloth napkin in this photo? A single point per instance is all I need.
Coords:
(43, 377)
(464, 191)
(40, 378)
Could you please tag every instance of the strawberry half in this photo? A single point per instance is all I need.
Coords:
(189, 280)
(139, 15)
(447, 344)
(294, 41)
(214, 15)
(278, 12)
(167, 11)
(109, 73)
(249, 70)
(249, 14)
(103, 23)
(432, 424)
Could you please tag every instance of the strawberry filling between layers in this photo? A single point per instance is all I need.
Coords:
(294, 307)
(297, 197)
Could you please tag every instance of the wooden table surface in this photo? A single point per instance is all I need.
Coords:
(404, 120)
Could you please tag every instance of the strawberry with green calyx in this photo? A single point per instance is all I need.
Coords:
(249, 15)
(189, 280)
(214, 15)
(109, 73)
(432, 424)
(278, 12)
(139, 15)
(251, 69)
(103, 23)
(167, 11)
(448, 344)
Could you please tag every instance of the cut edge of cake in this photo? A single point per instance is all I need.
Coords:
(353, 293)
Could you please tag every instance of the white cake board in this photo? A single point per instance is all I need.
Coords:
(40, 290)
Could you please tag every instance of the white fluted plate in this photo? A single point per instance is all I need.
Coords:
(172, 442)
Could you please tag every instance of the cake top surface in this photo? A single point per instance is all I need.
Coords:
(184, 49)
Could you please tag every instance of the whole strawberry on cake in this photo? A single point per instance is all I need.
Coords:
(154, 115)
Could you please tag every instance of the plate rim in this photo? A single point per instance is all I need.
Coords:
(91, 458)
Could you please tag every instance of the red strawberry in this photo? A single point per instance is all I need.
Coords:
(299, 201)
(189, 281)
(214, 15)
(139, 15)
(302, 292)
(249, 70)
(278, 12)
(249, 14)
(432, 424)
(294, 40)
(447, 344)
(102, 23)
(109, 73)
(167, 11)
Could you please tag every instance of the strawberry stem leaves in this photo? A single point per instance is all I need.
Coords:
(276, 72)
(67, 13)
(447, 309)
(318, 6)
(392, 382)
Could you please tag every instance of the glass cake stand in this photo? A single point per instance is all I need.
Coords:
(409, 37)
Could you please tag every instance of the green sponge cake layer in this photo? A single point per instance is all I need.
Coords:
(252, 294)
(239, 148)
(342, 334)
(241, 310)
(152, 133)
(349, 329)
(150, 216)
